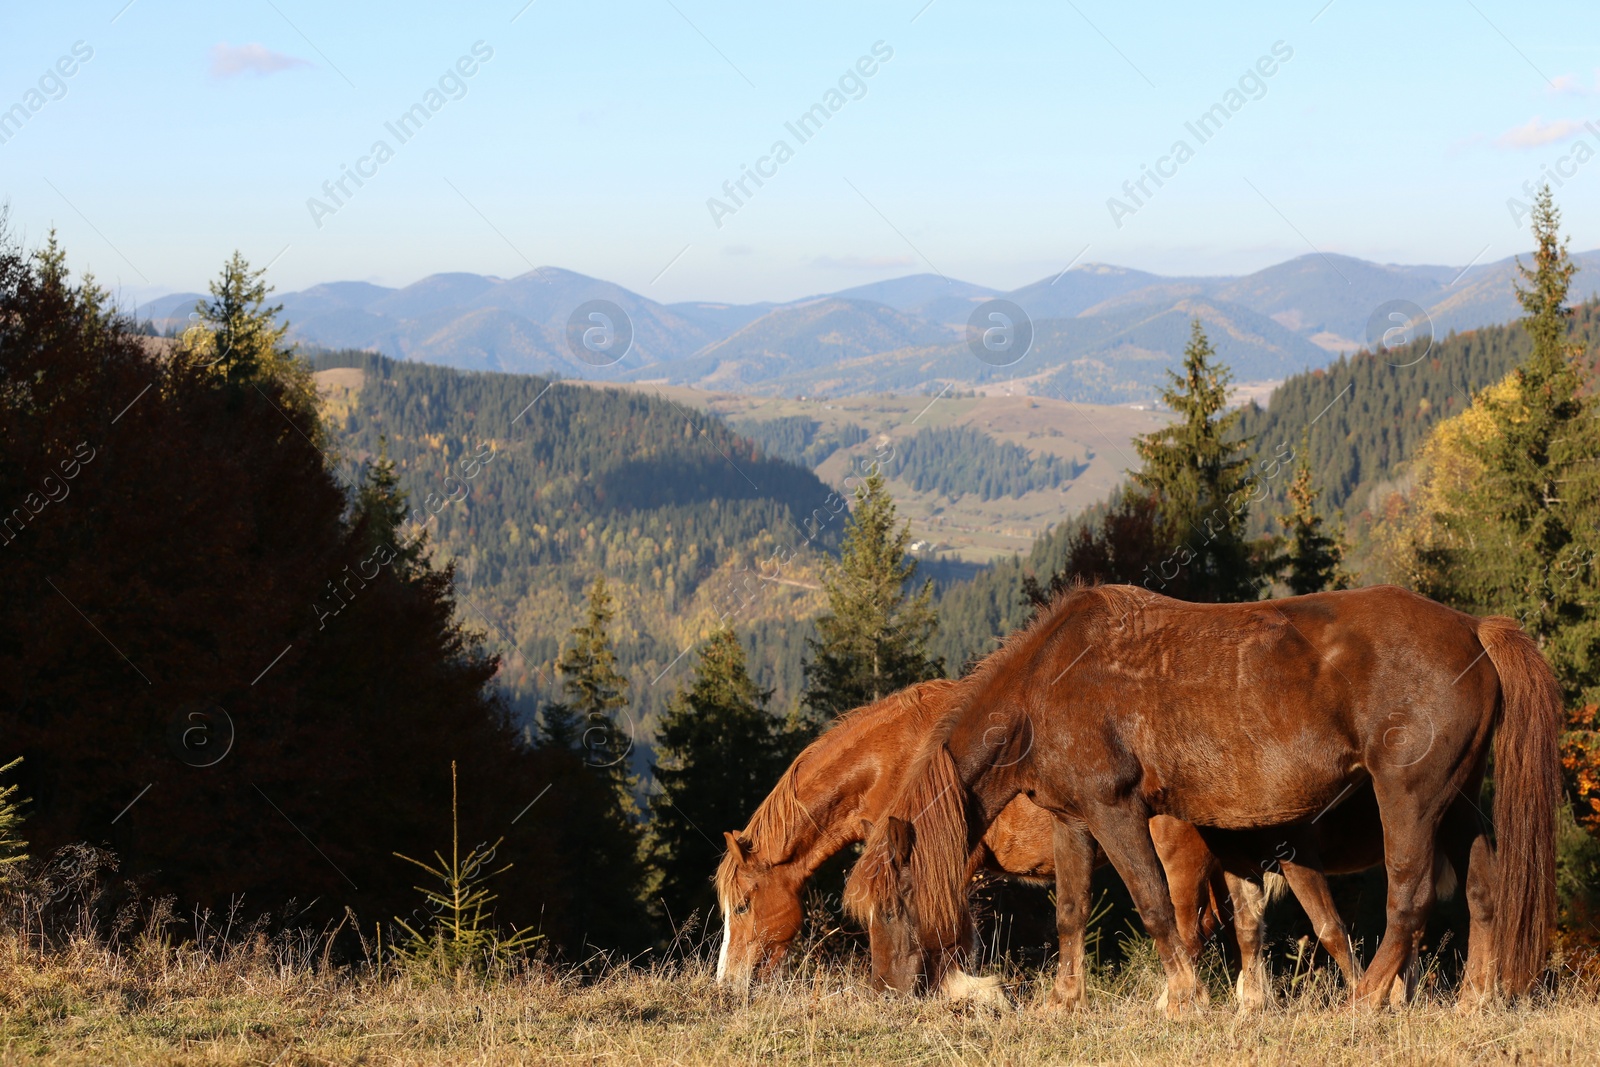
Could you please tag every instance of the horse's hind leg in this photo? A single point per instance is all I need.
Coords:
(1478, 983)
(1408, 850)
(1074, 856)
(1249, 924)
(1124, 832)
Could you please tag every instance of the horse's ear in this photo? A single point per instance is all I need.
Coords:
(739, 846)
(866, 829)
(902, 836)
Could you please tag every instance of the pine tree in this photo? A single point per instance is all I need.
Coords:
(1314, 557)
(1525, 537)
(591, 749)
(597, 696)
(1197, 471)
(873, 639)
(228, 552)
(718, 753)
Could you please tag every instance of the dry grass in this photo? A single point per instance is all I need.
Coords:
(271, 1002)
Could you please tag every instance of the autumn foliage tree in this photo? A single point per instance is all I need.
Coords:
(1505, 519)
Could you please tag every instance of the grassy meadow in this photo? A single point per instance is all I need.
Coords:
(260, 1001)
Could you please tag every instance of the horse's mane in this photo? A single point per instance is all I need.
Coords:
(932, 800)
(933, 797)
(781, 817)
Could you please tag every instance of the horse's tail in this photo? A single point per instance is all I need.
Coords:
(1527, 788)
(932, 800)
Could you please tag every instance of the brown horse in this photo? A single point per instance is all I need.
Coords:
(1117, 704)
(1347, 840)
(846, 777)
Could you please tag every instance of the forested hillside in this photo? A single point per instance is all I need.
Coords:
(535, 486)
(1366, 414)
(671, 503)
(1361, 418)
(960, 460)
(799, 438)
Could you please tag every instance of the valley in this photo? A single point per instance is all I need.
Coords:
(964, 527)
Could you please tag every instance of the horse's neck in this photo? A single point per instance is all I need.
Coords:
(832, 825)
(991, 780)
(837, 791)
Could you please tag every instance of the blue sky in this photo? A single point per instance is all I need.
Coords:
(986, 148)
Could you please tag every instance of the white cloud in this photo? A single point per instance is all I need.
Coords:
(1573, 85)
(1536, 132)
(228, 61)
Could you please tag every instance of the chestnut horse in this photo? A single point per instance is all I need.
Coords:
(827, 798)
(1346, 840)
(1117, 704)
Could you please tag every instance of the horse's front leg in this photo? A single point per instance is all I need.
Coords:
(1189, 866)
(1309, 884)
(1074, 858)
(1124, 832)
(1254, 987)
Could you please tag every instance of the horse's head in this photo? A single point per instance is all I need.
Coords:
(909, 886)
(898, 960)
(761, 913)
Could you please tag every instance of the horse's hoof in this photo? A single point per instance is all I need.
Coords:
(1067, 1002)
(987, 991)
(1177, 1007)
(1251, 995)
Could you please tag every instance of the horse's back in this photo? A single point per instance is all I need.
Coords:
(1260, 713)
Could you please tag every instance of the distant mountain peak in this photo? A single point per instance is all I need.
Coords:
(1101, 331)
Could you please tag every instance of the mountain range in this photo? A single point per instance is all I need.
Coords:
(1102, 333)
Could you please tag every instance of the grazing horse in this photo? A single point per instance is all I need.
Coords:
(1117, 704)
(1347, 840)
(827, 799)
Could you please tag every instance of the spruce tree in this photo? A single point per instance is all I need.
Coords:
(595, 690)
(718, 753)
(380, 514)
(1314, 556)
(595, 709)
(13, 850)
(1527, 529)
(591, 747)
(1198, 472)
(205, 574)
(240, 338)
(873, 639)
